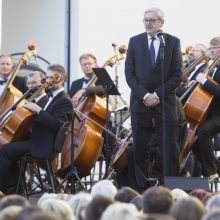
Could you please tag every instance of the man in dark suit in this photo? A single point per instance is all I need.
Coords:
(143, 72)
(194, 53)
(208, 129)
(79, 86)
(45, 127)
(6, 66)
(34, 81)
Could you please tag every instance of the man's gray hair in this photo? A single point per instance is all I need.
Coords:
(160, 14)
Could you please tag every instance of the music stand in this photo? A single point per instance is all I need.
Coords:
(110, 89)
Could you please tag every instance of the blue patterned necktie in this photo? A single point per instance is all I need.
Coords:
(152, 51)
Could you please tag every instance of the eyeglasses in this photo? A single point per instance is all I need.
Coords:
(151, 21)
(87, 64)
(213, 48)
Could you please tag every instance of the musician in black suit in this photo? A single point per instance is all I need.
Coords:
(78, 87)
(45, 127)
(6, 66)
(194, 53)
(208, 129)
(143, 75)
(34, 81)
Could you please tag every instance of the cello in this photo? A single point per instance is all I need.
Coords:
(87, 134)
(11, 94)
(21, 119)
(196, 110)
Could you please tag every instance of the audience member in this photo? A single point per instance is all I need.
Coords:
(120, 211)
(157, 200)
(13, 200)
(10, 212)
(137, 201)
(189, 208)
(78, 204)
(105, 188)
(58, 208)
(178, 194)
(96, 207)
(125, 194)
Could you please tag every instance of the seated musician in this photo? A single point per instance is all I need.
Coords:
(211, 126)
(6, 66)
(78, 87)
(34, 81)
(44, 130)
(194, 53)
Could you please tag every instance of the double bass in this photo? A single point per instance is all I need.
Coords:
(87, 134)
(11, 94)
(21, 119)
(196, 110)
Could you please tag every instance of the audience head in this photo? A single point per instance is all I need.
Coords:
(125, 194)
(26, 212)
(154, 217)
(201, 194)
(17, 200)
(46, 196)
(189, 208)
(213, 203)
(58, 208)
(120, 211)
(78, 204)
(212, 215)
(137, 201)
(157, 200)
(96, 207)
(10, 212)
(105, 188)
(178, 194)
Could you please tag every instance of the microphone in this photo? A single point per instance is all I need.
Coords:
(160, 35)
(114, 45)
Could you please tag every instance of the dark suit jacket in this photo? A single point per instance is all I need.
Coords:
(47, 124)
(181, 90)
(77, 85)
(43, 101)
(215, 90)
(142, 78)
(20, 83)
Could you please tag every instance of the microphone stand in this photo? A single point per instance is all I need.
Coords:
(72, 174)
(161, 57)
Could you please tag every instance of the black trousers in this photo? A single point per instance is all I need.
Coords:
(142, 132)
(205, 147)
(9, 154)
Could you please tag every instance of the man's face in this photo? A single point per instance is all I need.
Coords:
(33, 81)
(56, 79)
(152, 23)
(214, 51)
(195, 53)
(87, 64)
(6, 66)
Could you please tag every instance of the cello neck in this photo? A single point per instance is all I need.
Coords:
(191, 67)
